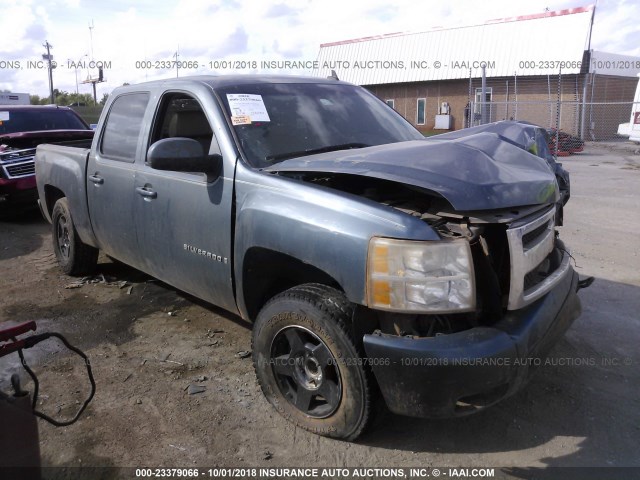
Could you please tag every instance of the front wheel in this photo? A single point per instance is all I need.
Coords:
(74, 256)
(308, 366)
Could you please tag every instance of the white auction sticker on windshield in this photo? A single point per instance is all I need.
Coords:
(4, 116)
(246, 104)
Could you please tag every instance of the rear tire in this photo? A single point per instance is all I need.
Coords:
(74, 257)
(307, 364)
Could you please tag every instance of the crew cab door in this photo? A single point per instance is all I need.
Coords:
(184, 219)
(110, 178)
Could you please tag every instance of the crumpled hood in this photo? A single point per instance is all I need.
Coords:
(477, 172)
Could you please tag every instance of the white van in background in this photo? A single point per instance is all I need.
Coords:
(14, 99)
(632, 129)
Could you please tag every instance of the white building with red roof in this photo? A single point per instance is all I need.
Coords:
(528, 60)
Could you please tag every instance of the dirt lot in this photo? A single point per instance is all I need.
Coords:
(148, 344)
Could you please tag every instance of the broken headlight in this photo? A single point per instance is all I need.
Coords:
(421, 277)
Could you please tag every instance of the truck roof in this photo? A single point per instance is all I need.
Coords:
(218, 81)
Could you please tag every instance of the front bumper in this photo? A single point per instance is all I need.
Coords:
(461, 373)
(20, 192)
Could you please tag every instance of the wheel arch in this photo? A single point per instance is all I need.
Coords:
(51, 196)
(266, 273)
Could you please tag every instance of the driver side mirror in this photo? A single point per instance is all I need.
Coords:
(183, 155)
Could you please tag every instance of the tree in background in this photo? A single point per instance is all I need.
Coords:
(82, 104)
(65, 99)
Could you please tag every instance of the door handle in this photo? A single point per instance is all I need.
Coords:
(96, 179)
(145, 192)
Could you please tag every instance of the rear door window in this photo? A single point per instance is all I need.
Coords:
(124, 123)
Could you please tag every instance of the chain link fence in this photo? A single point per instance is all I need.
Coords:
(588, 106)
(593, 121)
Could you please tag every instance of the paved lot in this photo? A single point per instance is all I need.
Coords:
(584, 409)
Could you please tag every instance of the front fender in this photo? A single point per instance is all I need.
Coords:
(321, 227)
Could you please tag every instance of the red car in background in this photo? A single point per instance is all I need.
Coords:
(567, 144)
(22, 129)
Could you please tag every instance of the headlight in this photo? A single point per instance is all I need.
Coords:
(425, 277)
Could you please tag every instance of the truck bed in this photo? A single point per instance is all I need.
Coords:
(65, 166)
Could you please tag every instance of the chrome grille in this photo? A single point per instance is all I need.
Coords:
(18, 163)
(529, 246)
(21, 169)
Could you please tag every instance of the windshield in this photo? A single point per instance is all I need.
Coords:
(12, 121)
(277, 121)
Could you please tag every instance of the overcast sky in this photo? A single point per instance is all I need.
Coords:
(239, 30)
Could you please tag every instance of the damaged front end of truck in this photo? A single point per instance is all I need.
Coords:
(454, 325)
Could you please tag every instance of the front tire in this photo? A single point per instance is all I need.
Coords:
(74, 257)
(307, 364)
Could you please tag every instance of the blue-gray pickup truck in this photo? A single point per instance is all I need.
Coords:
(374, 264)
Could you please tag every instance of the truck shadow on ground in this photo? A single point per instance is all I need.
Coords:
(79, 314)
(30, 220)
(583, 401)
(121, 272)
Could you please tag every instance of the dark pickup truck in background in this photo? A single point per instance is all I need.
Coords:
(22, 129)
(369, 259)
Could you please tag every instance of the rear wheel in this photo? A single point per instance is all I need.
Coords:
(308, 366)
(74, 256)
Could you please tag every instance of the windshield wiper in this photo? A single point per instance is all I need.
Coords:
(313, 151)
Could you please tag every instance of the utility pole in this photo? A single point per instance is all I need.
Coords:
(483, 105)
(176, 55)
(90, 79)
(91, 37)
(76, 63)
(48, 58)
(77, 89)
